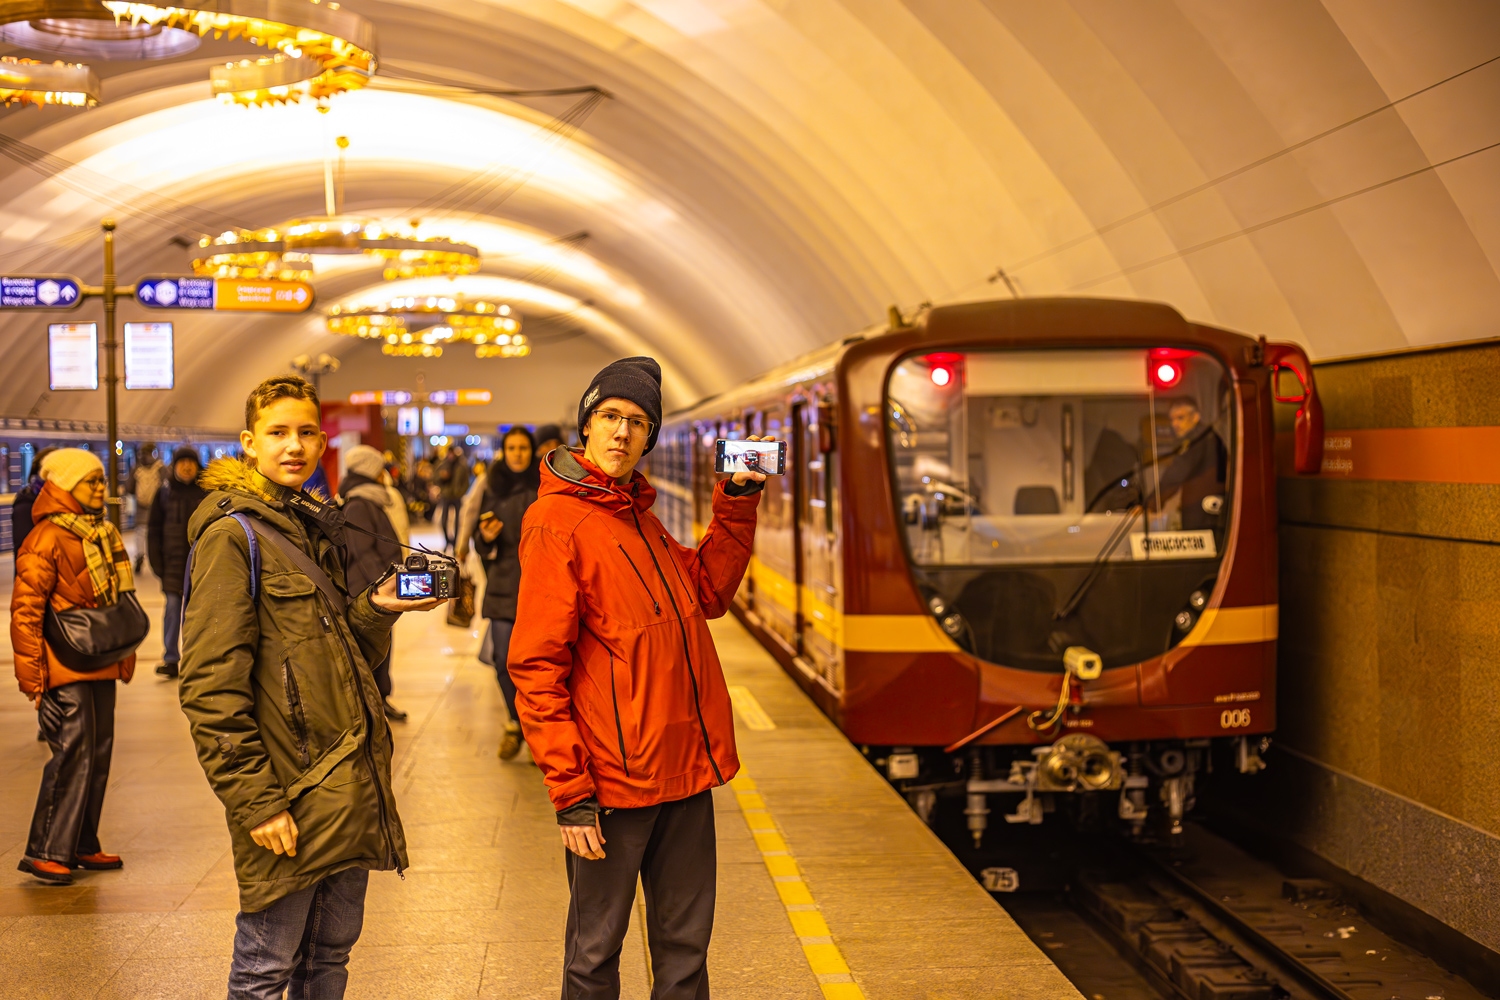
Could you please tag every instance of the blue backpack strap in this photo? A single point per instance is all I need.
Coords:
(244, 520)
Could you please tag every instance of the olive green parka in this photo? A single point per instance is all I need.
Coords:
(280, 700)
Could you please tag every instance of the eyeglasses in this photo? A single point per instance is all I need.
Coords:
(609, 422)
(94, 481)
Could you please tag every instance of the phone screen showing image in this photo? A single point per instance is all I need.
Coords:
(768, 457)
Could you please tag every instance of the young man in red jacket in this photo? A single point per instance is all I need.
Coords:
(621, 696)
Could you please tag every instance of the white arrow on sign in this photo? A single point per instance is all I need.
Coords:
(301, 295)
(69, 293)
(146, 293)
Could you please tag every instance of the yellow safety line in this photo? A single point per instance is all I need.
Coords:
(823, 956)
(749, 710)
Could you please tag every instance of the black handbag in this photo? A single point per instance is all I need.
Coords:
(90, 639)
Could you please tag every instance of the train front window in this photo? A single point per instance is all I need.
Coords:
(1063, 497)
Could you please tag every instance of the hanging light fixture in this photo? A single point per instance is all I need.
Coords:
(286, 251)
(419, 326)
(320, 49)
(26, 81)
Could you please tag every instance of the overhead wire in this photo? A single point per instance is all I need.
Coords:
(1257, 227)
(1230, 175)
(127, 200)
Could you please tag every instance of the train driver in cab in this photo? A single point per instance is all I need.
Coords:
(1196, 467)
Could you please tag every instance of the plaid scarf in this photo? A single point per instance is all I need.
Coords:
(104, 551)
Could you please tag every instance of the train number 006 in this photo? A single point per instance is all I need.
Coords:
(1234, 718)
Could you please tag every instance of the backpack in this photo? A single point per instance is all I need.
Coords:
(187, 574)
(254, 527)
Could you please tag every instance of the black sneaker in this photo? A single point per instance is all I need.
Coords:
(138, 561)
(168, 670)
(392, 712)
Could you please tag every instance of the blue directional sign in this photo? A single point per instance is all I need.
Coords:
(39, 291)
(160, 292)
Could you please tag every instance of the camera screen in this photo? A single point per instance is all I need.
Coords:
(750, 456)
(414, 586)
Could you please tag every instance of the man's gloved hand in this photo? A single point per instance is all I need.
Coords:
(580, 829)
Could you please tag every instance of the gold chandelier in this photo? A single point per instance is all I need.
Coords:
(320, 49)
(419, 326)
(327, 50)
(286, 252)
(26, 81)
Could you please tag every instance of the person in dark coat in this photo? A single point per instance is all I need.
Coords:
(1197, 467)
(20, 508)
(513, 482)
(167, 546)
(364, 498)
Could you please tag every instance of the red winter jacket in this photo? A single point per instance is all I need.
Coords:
(621, 695)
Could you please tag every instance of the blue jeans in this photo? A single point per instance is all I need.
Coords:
(500, 630)
(171, 629)
(302, 941)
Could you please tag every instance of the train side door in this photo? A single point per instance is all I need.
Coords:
(816, 543)
(775, 568)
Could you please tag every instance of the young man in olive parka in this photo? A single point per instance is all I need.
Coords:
(284, 710)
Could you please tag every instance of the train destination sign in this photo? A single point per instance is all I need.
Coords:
(166, 291)
(39, 291)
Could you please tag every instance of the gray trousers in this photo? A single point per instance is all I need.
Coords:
(671, 847)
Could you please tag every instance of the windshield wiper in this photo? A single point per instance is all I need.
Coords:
(1110, 544)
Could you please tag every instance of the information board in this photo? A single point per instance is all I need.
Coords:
(433, 420)
(167, 291)
(39, 291)
(385, 397)
(148, 356)
(459, 397)
(408, 421)
(73, 356)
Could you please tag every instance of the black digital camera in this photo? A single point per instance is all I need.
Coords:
(426, 576)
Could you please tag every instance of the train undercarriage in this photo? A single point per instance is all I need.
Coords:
(1143, 789)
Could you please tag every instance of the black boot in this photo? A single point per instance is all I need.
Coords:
(392, 712)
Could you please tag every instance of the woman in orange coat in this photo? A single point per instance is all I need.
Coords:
(74, 557)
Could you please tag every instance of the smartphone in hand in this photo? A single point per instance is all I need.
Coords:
(766, 457)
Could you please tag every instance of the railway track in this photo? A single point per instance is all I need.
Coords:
(1207, 921)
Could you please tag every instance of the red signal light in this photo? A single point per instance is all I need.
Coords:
(1165, 374)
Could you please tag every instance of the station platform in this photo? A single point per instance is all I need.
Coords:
(829, 886)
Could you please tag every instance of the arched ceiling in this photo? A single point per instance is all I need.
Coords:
(769, 175)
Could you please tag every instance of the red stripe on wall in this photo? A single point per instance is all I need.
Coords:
(1404, 454)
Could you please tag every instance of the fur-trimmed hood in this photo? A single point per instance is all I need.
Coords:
(233, 487)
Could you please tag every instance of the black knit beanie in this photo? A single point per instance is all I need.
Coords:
(548, 432)
(635, 379)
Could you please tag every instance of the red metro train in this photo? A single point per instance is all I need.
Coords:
(1024, 548)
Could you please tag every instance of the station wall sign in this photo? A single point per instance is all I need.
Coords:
(408, 421)
(166, 291)
(148, 356)
(72, 356)
(384, 397)
(39, 291)
(432, 420)
(459, 397)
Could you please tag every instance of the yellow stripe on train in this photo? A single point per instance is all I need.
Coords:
(922, 633)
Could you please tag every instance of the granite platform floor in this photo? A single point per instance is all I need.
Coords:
(828, 885)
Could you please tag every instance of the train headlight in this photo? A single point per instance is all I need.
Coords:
(1197, 599)
(954, 625)
(937, 607)
(1184, 621)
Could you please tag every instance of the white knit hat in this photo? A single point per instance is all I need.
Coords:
(67, 467)
(362, 460)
